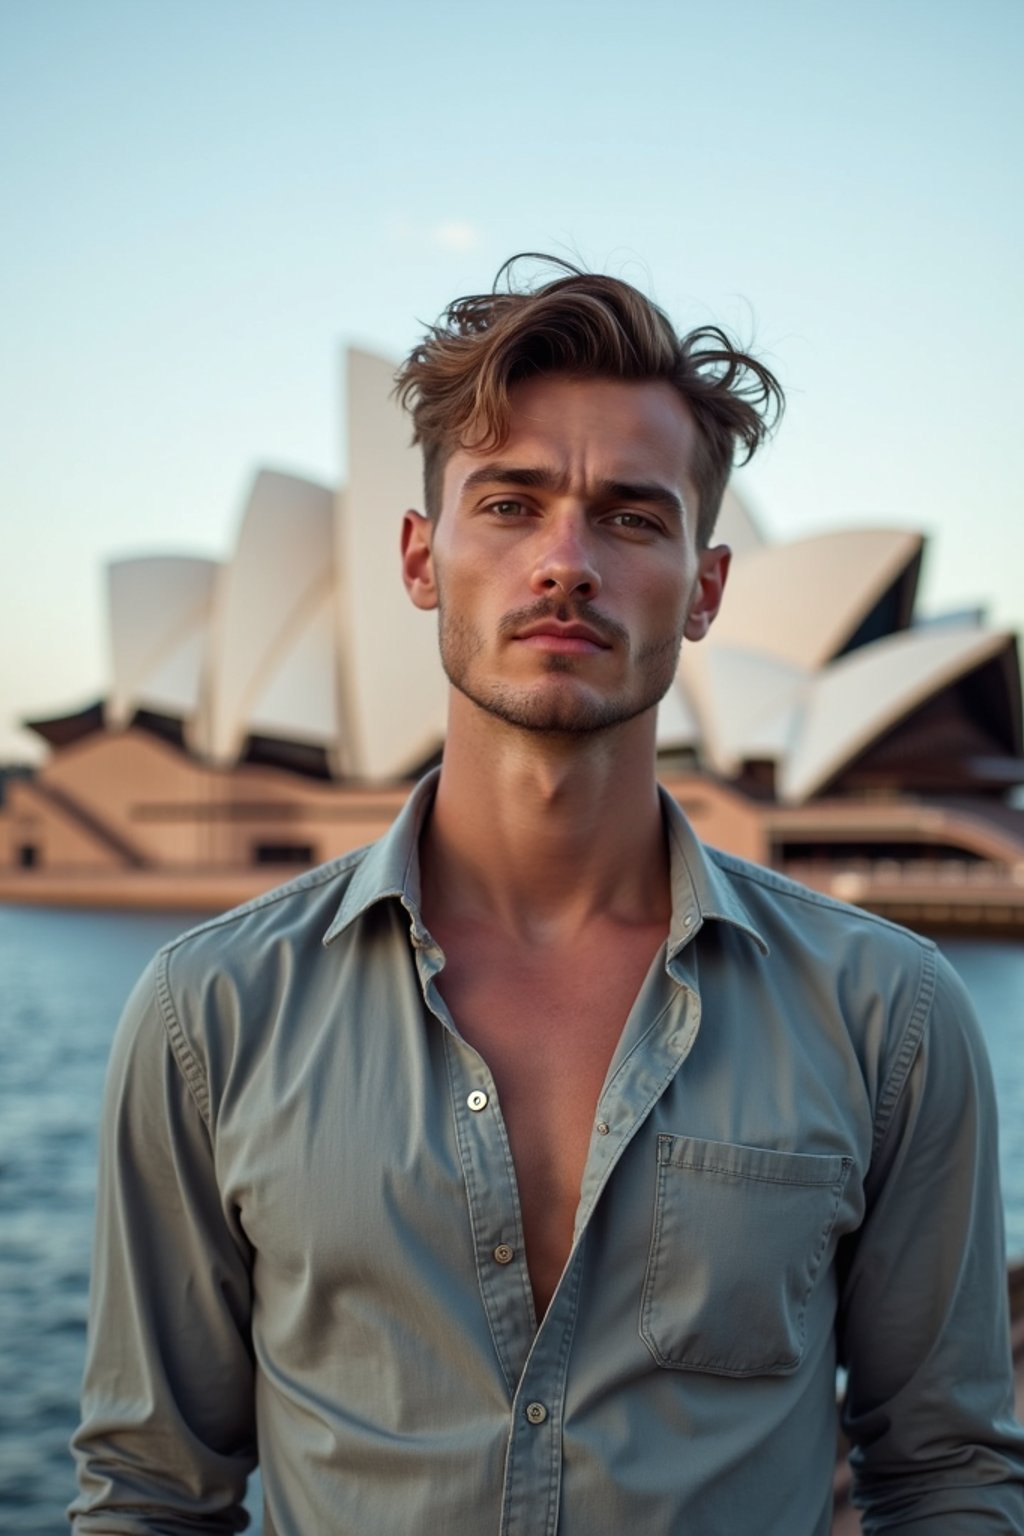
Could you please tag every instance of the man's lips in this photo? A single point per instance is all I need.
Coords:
(569, 639)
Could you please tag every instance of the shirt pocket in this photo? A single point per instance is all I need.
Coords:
(738, 1240)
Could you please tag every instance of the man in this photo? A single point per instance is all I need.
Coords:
(532, 1170)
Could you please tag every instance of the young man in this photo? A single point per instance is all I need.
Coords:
(532, 1170)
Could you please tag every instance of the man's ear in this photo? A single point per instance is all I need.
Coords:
(712, 569)
(418, 560)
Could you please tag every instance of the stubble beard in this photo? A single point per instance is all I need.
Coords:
(567, 712)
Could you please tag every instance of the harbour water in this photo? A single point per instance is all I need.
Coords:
(63, 978)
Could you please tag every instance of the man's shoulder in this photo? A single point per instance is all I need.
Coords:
(849, 973)
(222, 990)
(297, 913)
(781, 908)
(316, 905)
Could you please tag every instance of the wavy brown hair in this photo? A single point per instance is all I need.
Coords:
(456, 383)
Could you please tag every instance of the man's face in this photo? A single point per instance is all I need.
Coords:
(565, 564)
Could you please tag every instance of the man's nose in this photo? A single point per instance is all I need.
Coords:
(566, 563)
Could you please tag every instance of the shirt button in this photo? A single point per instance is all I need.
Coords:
(602, 1128)
(504, 1254)
(536, 1413)
(687, 921)
(477, 1100)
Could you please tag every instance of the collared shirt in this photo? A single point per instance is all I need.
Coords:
(310, 1248)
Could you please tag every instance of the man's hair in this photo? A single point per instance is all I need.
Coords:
(456, 383)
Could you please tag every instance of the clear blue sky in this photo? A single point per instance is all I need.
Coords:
(203, 199)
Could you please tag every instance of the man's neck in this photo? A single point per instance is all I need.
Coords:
(538, 836)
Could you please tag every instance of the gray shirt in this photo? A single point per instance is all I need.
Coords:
(310, 1250)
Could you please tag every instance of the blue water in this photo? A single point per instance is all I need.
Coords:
(63, 978)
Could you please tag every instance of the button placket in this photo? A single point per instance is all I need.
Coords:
(533, 1465)
(635, 1087)
(493, 1207)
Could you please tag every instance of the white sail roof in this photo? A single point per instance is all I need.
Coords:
(159, 613)
(747, 701)
(267, 601)
(298, 700)
(677, 723)
(736, 524)
(394, 687)
(864, 694)
(801, 602)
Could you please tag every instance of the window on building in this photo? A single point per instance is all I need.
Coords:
(283, 853)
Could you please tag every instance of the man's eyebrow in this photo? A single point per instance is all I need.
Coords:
(498, 473)
(645, 493)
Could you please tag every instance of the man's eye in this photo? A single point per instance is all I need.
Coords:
(631, 520)
(506, 508)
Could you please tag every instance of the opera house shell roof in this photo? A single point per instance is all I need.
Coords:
(302, 652)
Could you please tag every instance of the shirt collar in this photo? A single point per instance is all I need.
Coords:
(390, 868)
(701, 887)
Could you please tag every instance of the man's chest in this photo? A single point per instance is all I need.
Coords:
(546, 1025)
(355, 1129)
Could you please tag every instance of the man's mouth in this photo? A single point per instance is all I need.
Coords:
(562, 639)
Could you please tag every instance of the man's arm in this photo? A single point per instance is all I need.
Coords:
(167, 1438)
(923, 1324)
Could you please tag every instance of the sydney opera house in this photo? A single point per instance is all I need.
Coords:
(269, 711)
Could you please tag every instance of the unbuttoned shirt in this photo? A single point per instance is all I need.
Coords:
(310, 1248)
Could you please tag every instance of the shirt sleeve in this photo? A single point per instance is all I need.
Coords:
(167, 1437)
(924, 1328)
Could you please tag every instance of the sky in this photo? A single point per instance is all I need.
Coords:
(204, 200)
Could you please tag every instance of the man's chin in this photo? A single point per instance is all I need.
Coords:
(574, 716)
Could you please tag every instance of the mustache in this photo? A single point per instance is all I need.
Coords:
(563, 613)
